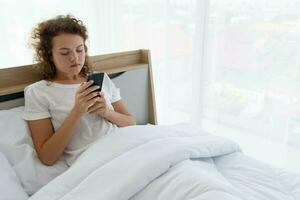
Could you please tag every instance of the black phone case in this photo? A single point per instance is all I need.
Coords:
(97, 78)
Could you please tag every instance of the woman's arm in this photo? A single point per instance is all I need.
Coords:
(50, 144)
(120, 115)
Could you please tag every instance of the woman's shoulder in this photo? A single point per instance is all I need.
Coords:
(38, 84)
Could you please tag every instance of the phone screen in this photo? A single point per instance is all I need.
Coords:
(97, 78)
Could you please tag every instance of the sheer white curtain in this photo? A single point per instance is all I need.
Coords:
(230, 67)
(174, 31)
(253, 77)
(17, 18)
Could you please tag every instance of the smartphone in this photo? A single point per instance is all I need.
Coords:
(97, 78)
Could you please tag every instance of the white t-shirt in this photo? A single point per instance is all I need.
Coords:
(45, 99)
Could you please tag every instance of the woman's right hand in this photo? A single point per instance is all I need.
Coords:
(85, 97)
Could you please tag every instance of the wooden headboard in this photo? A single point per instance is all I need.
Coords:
(135, 64)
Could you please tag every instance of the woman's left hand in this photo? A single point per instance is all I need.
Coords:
(100, 107)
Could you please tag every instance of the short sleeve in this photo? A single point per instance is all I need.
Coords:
(114, 92)
(35, 106)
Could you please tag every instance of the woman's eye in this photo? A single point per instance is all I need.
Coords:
(64, 53)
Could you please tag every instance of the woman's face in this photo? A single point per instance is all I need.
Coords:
(68, 54)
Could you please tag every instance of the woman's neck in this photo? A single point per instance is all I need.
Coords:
(69, 80)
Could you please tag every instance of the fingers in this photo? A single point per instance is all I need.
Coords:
(87, 91)
(92, 95)
(102, 110)
(84, 86)
(100, 99)
(91, 102)
(88, 98)
(91, 89)
(97, 106)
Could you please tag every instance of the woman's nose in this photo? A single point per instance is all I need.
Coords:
(73, 56)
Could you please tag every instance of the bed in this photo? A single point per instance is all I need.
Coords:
(146, 161)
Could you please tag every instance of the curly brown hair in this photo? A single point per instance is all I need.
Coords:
(43, 34)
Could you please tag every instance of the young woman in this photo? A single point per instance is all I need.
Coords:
(65, 113)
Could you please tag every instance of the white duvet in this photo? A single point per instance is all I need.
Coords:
(168, 163)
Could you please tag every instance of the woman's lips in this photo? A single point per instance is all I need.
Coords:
(75, 65)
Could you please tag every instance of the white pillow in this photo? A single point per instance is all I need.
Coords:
(17, 146)
(10, 188)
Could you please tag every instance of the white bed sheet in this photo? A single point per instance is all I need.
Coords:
(169, 162)
(235, 176)
(10, 186)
